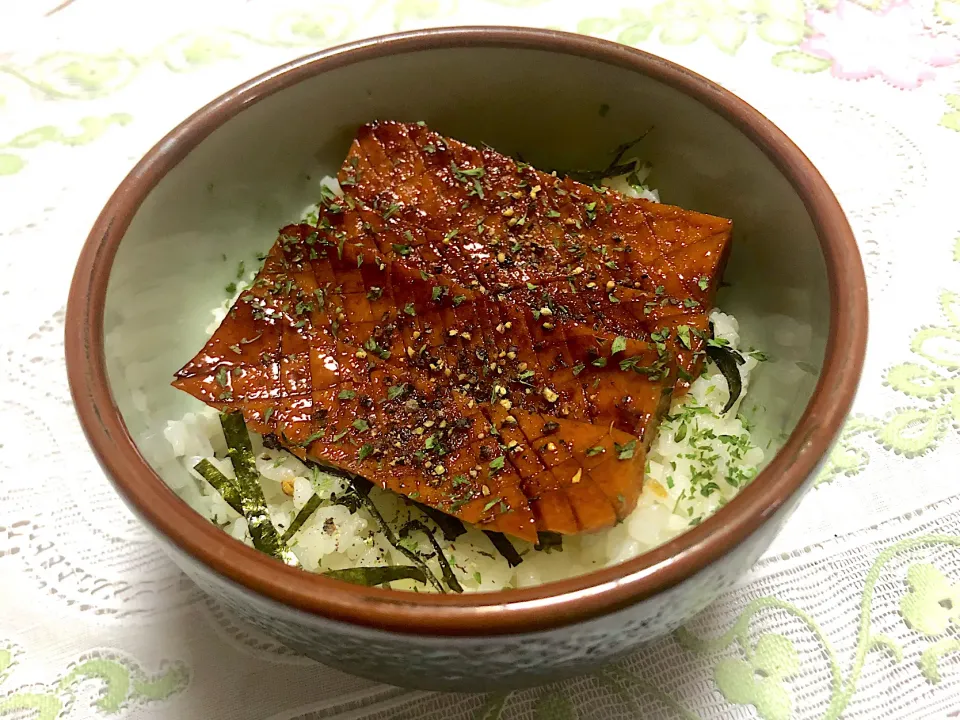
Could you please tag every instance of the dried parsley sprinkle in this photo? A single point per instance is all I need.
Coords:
(703, 283)
(625, 451)
(683, 334)
(267, 414)
(600, 362)
(578, 368)
(402, 250)
(231, 288)
(347, 395)
(619, 345)
(458, 299)
(409, 309)
(361, 425)
(595, 450)
(395, 391)
(437, 293)
(365, 452)
(491, 504)
(391, 211)
(375, 293)
(222, 377)
(340, 435)
(312, 438)
(496, 464)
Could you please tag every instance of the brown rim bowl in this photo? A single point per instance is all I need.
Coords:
(839, 292)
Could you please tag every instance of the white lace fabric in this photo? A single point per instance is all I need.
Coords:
(854, 610)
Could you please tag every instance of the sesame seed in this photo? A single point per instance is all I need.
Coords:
(610, 285)
(508, 212)
(549, 395)
(576, 477)
(361, 354)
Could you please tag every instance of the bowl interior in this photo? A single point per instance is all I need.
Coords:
(225, 200)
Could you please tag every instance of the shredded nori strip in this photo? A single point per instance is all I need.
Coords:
(221, 483)
(450, 526)
(549, 541)
(362, 487)
(504, 547)
(373, 576)
(448, 577)
(592, 177)
(727, 361)
(240, 451)
(305, 512)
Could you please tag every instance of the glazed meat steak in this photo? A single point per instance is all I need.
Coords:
(492, 341)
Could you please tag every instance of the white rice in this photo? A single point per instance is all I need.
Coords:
(698, 462)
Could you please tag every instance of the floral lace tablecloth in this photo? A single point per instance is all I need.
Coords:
(855, 612)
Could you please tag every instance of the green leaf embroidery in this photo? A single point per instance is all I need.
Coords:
(758, 681)
(799, 61)
(947, 10)
(783, 9)
(929, 658)
(681, 32)
(951, 121)
(636, 33)
(728, 33)
(596, 26)
(933, 602)
(554, 705)
(779, 31)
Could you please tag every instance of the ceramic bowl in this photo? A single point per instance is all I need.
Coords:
(223, 181)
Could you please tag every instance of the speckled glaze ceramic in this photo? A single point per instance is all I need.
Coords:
(222, 183)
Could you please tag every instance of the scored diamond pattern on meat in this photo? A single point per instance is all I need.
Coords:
(507, 372)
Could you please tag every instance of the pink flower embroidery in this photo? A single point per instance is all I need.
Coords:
(892, 44)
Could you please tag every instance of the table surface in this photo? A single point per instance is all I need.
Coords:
(853, 612)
